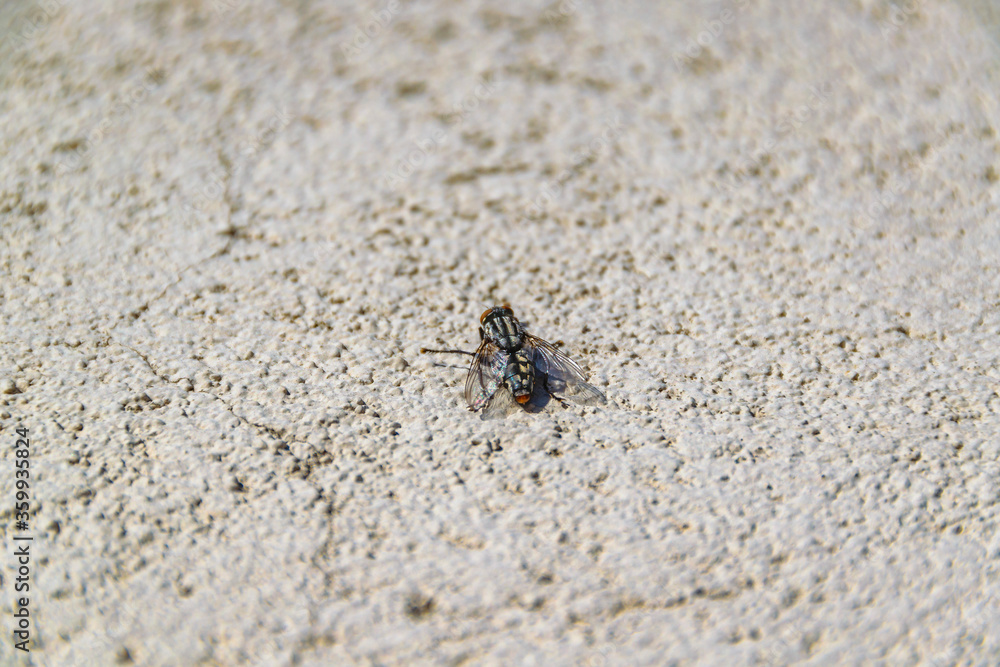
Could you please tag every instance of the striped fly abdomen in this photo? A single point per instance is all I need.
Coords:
(519, 375)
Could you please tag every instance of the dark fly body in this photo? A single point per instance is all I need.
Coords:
(519, 376)
(499, 326)
(511, 367)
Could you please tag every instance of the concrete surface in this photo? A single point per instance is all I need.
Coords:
(769, 231)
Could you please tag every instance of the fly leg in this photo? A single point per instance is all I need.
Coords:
(562, 401)
(425, 350)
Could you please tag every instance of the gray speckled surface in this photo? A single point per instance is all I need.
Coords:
(229, 227)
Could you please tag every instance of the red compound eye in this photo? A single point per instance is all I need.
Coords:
(522, 399)
(485, 313)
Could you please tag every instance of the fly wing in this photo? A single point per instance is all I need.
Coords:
(485, 375)
(563, 376)
(500, 404)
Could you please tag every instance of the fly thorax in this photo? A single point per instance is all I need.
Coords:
(520, 376)
(503, 331)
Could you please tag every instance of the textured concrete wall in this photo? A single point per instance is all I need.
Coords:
(768, 230)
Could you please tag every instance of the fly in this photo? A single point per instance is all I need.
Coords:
(511, 367)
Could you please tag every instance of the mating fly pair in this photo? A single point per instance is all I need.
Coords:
(511, 366)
